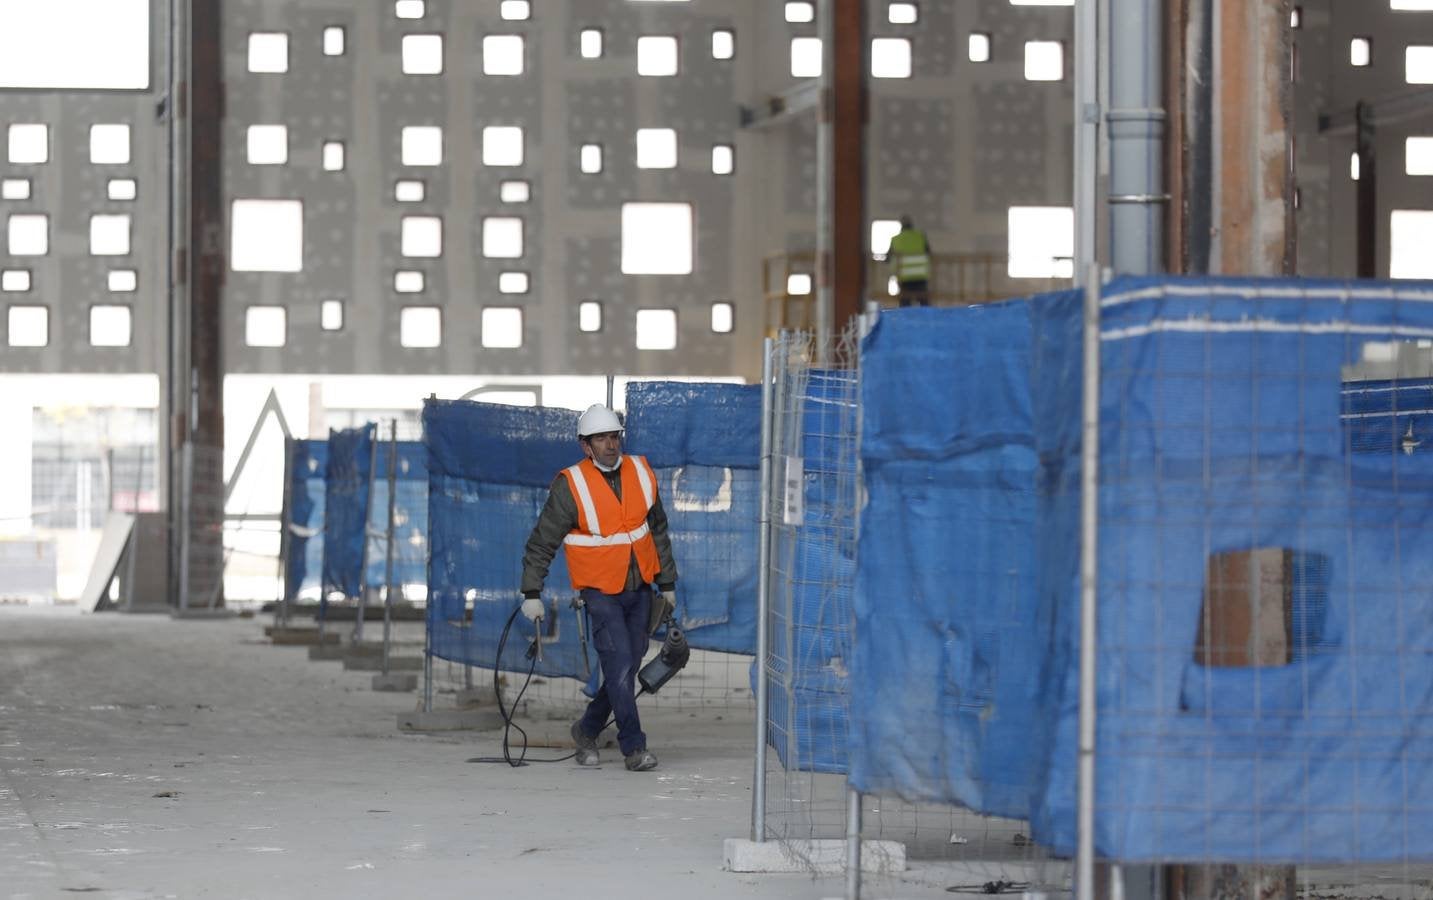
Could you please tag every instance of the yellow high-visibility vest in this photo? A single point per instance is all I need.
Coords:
(910, 255)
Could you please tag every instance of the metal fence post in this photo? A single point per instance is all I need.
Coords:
(388, 560)
(363, 557)
(763, 597)
(853, 844)
(1089, 559)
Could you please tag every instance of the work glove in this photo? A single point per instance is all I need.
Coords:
(533, 608)
(663, 604)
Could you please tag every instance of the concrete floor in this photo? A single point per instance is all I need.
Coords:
(147, 757)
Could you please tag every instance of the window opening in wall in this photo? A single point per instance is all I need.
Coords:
(723, 317)
(1410, 236)
(28, 326)
(723, 159)
(656, 148)
(800, 11)
(656, 329)
(122, 281)
(502, 327)
(109, 235)
(502, 237)
(723, 43)
(109, 145)
(330, 315)
(335, 40)
(422, 145)
(268, 52)
(978, 47)
(28, 144)
(1296, 17)
(798, 284)
(902, 13)
(266, 326)
(409, 191)
(1042, 2)
(16, 189)
(422, 54)
(657, 238)
(266, 236)
(268, 145)
(1411, 5)
(503, 54)
(29, 234)
(110, 326)
(1418, 64)
(408, 9)
(1354, 163)
(589, 316)
(805, 57)
(408, 281)
(15, 280)
(514, 192)
(1044, 61)
(333, 160)
(1418, 156)
(657, 56)
(1041, 241)
(421, 236)
(589, 43)
(502, 145)
(122, 189)
(1360, 51)
(515, 10)
(590, 159)
(75, 45)
(890, 58)
(882, 230)
(513, 283)
(420, 327)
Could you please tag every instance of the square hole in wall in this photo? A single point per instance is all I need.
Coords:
(266, 236)
(589, 43)
(902, 13)
(502, 237)
(420, 327)
(1410, 236)
(1354, 165)
(268, 52)
(333, 156)
(15, 280)
(266, 326)
(805, 57)
(503, 54)
(122, 189)
(723, 43)
(1042, 2)
(656, 329)
(657, 56)
(1418, 156)
(800, 11)
(335, 40)
(409, 191)
(514, 192)
(122, 281)
(421, 236)
(28, 326)
(111, 325)
(28, 234)
(1360, 51)
(109, 145)
(657, 238)
(16, 189)
(589, 159)
(28, 144)
(1418, 64)
(1041, 241)
(422, 54)
(1044, 61)
(882, 230)
(1411, 5)
(502, 145)
(422, 145)
(798, 284)
(408, 281)
(723, 159)
(589, 316)
(513, 283)
(409, 9)
(656, 148)
(502, 327)
(977, 47)
(723, 317)
(330, 315)
(268, 145)
(515, 10)
(890, 58)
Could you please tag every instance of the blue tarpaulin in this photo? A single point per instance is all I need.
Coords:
(346, 508)
(308, 465)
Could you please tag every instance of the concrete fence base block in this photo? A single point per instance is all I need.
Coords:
(202, 612)
(821, 857)
(476, 696)
(328, 651)
(365, 663)
(395, 681)
(483, 719)
(301, 637)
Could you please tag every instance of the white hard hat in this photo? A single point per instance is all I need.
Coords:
(597, 420)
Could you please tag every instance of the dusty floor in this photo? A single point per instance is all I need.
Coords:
(147, 757)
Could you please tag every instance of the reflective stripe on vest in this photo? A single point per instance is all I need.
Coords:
(912, 257)
(611, 531)
(596, 540)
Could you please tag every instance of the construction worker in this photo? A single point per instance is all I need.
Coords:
(909, 257)
(606, 514)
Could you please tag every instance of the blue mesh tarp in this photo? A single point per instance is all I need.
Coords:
(345, 507)
(308, 463)
(410, 516)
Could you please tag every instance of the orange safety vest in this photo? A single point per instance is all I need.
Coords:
(599, 550)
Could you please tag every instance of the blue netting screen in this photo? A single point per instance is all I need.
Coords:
(410, 516)
(345, 507)
(308, 466)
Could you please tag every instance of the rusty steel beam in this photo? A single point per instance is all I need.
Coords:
(846, 109)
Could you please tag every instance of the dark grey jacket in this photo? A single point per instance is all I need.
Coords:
(559, 517)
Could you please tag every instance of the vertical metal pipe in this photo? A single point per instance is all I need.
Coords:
(763, 596)
(363, 555)
(281, 618)
(1089, 559)
(1087, 130)
(853, 844)
(388, 544)
(611, 389)
(825, 151)
(1136, 136)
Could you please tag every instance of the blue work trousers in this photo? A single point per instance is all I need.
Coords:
(619, 631)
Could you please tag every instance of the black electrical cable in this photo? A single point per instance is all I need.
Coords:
(507, 714)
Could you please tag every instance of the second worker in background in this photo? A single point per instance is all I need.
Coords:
(607, 516)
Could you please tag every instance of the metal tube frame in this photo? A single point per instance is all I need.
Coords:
(853, 844)
(388, 559)
(1089, 560)
(357, 637)
(763, 597)
(281, 612)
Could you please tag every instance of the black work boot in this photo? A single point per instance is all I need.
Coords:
(586, 746)
(641, 761)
